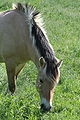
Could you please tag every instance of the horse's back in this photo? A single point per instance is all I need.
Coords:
(13, 34)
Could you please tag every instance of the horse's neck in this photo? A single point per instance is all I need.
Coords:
(33, 52)
(35, 57)
(40, 46)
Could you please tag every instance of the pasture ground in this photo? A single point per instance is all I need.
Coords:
(62, 23)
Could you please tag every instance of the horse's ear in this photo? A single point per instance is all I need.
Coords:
(59, 63)
(42, 62)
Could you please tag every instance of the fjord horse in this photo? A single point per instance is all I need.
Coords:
(23, 38)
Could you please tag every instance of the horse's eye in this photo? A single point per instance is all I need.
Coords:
(41, 81)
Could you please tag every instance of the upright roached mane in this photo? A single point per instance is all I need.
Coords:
(42, 43)
(23, 38)
(32, 14)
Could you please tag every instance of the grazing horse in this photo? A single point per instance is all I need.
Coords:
(23, 38)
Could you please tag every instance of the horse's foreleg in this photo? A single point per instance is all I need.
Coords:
(11, 77)
(18, 69)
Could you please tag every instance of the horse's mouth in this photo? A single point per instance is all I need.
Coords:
(44, 108)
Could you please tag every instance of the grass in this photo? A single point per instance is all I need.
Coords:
(62, 22)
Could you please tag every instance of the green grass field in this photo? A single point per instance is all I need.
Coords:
(62, 23)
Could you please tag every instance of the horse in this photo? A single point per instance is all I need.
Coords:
(23, 38)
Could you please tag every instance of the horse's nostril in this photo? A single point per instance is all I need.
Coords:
(43, 107)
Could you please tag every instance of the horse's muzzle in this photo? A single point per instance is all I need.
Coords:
(44, 108)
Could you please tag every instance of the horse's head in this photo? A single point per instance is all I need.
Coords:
(48, 77)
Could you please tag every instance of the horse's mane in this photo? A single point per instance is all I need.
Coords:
(27, 9)
(41, 41)
(38, 28)
(31, 14)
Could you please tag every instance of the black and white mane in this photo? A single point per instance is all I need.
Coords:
(37, 30)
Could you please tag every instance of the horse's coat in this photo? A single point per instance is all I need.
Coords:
(23, 38)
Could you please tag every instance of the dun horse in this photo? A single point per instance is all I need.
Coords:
(23, 38)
